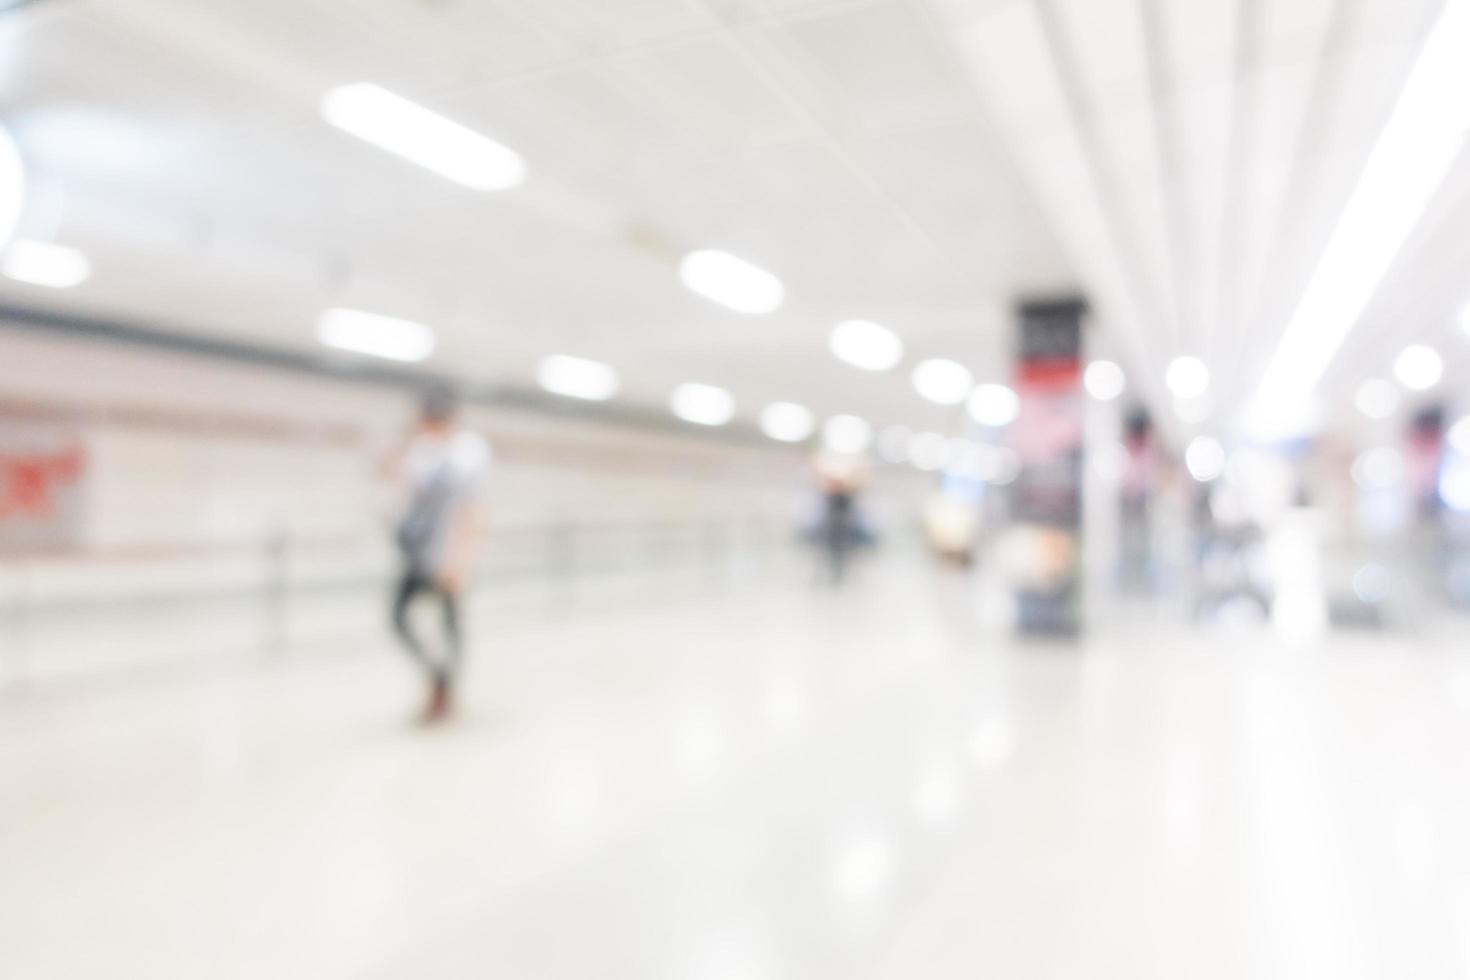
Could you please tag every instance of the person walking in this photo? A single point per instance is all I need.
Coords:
(443, 473)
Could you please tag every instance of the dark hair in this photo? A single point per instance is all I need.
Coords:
(438, 403)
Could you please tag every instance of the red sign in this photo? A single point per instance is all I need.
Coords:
(42, 472)
(31, 484)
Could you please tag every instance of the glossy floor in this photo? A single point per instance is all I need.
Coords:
(759, 784)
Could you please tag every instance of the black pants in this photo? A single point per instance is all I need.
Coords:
(413, 584)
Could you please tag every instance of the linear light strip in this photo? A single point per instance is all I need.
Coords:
(1420, 143)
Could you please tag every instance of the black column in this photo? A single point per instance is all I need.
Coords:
(1046, 501)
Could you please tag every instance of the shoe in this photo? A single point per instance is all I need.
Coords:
(439, 705)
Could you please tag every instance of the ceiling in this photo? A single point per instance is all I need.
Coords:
(922, 163)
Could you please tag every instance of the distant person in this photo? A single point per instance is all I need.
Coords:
(443, 471)
(839, 528)
(952, 525)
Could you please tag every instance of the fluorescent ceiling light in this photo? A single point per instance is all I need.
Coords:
(731, 281)
(866, 345)
(787, 421)
(1104, 380)
(702, 404)
(847, 434)
(372, 333)
(1421, 141)
(1187, 377)
(1419, 368)
(942, 382)
(1377, 398)
(393, 123)
(12, 185)
(577, 377)
(1205, 458)
(44, 264)
(994, 405)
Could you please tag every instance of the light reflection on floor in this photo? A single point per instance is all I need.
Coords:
(766, 784)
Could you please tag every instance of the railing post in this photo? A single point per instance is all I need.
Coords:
(277, 591)
(19, 627)
(561, 561)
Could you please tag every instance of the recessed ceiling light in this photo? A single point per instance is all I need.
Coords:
(1424, 136)
(1187, 377)
(1377, 398)
(847, 434)
(12, 185)
(1205, 458)
(994, 405)
(1001, 466)
(942, 382)
(929, 451)
(731, 281)
(1419, 368)
(702, 404)
(787, 422)
(406, 129)
(1378, 469)
(44, 264)
(1104, 380)
(577, 377)
(371, 333)
(1193, 411)
(867, 345)
(893, 443)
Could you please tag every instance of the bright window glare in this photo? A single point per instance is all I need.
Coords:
(577, 377)
(43, 264)
(1459, 436)
(12, 185)
(1454, 485)
(847, 434)
(1377, 398)
(393, 123)
(1421, 141)
(1187, 377)
(994, 405)
(1205, 458)
(731, 281)
(371, 333)
(787, 421)
(942, 382)
(702, 404)
(1104, 380)
(1284, 421)
(1419, 368)
(866, 345)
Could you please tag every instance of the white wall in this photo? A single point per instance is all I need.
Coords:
(204, 474)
